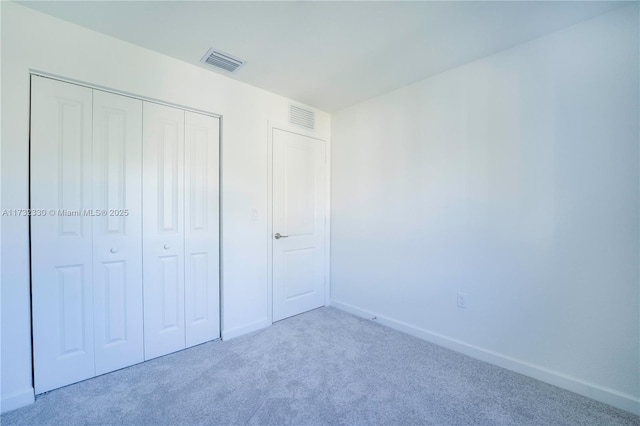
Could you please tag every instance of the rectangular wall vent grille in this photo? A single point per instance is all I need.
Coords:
(302, 117)
(222, 60)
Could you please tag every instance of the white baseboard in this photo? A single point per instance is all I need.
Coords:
(17, 400)
(599, 393)
(245, 329)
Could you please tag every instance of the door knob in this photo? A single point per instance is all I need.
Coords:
(278, 236)
(167, 247)
(114, 250)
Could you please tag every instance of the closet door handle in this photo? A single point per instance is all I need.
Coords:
(278, 236)
(167, 247)
(114, 250)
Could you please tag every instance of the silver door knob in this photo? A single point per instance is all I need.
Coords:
(167, 247)
(278, 236)
(114, 250)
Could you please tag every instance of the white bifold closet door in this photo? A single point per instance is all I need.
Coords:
(117, 236)
(86, 272)
(202, 235)
(180, 231)
(163, 229)
(125, 258)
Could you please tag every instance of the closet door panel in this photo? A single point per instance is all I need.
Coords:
(202, 300)
(117, 231)
(61, 240)
(163, 229)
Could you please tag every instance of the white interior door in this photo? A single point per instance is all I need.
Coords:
(61, 241)
(202, 297)
(117, 236)
(163, 229)
(298, 223)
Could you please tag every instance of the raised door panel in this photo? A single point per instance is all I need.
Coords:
(163, 229)
(202, 300)
(117, 231)
(298, 214)
(61, 238)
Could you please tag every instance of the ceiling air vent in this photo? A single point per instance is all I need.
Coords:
(222, 60)
(302, 117)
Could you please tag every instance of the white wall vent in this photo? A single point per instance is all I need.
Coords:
(222, 60)
(302, 117)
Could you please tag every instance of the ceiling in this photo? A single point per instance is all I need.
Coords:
(327, 54)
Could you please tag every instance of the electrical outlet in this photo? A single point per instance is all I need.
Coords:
(462, 300)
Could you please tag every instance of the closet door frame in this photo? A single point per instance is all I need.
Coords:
(88, 85)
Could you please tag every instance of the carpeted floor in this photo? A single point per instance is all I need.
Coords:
(321, 367)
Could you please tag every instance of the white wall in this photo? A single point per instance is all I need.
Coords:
(514, 179)
(31, 40)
